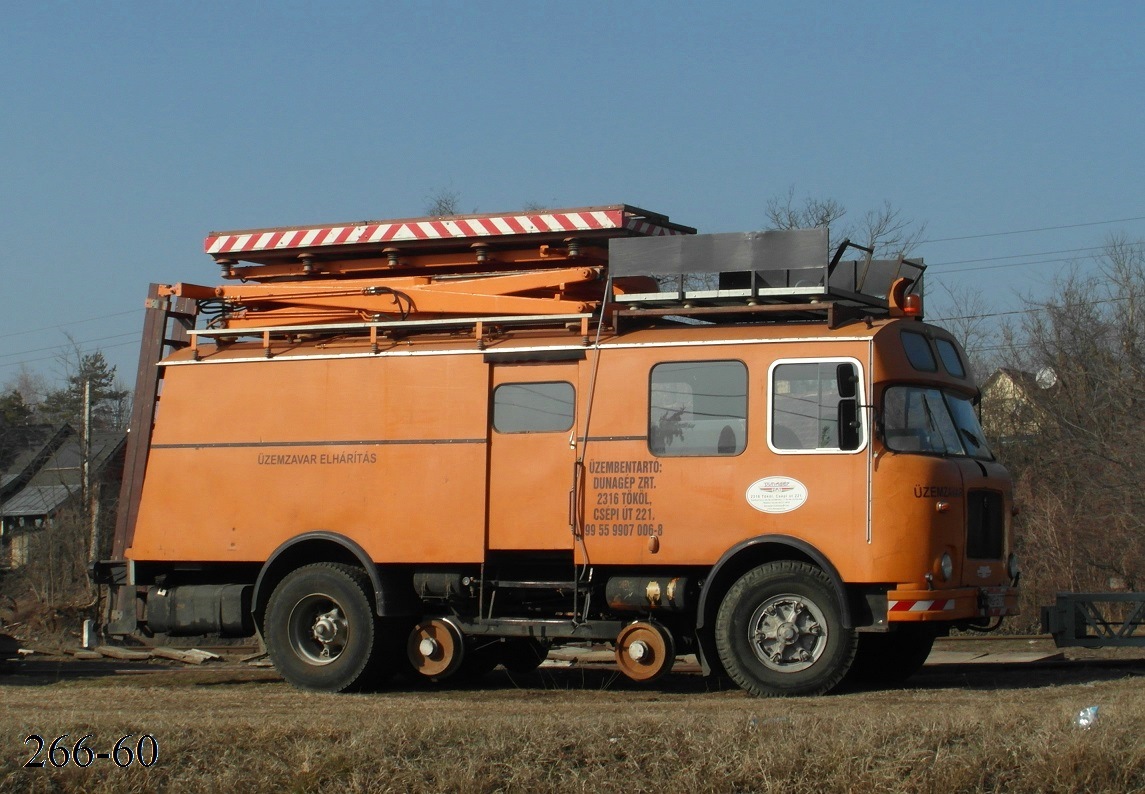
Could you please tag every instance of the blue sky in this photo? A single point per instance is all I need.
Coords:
(129, 130)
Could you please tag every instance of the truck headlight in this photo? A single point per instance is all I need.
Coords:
(946, 567)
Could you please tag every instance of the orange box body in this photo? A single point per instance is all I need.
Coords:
(395, 450)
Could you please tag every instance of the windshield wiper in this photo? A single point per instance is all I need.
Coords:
(971, 437)
(934, 431)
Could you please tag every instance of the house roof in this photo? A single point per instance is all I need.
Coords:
(37, 500)
(1020, 378)
(33, 444)
(64, 465)
(58, 475)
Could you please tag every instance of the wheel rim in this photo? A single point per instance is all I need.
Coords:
(318, 629)
(787, 633)
(645, 651)
(436, 648)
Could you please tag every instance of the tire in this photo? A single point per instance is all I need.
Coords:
(331, 599)
(478, 663)
(522, 655)
(779, 631)
(893, 657)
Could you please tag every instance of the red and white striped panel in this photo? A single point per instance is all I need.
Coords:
(647, 228)
(936, 605)
(431, 229)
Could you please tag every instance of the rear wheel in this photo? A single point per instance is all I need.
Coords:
(321, 630)
(779, 631)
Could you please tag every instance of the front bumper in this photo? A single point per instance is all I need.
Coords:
(949, 605)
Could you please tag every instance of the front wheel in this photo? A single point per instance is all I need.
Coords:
(320, 628)
(779, 631)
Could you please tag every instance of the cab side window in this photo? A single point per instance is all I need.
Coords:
(814, 407)
(698, 408)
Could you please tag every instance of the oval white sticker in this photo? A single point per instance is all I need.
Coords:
(776, 494)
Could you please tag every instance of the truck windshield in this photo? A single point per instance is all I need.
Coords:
(919, 419)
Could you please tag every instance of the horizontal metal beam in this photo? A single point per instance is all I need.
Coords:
(1096, 620)
(541, 629)
(452, 322)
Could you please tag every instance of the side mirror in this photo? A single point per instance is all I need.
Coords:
(846, 380)
(849, 424)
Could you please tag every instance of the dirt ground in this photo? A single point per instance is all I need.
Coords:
(984, 722)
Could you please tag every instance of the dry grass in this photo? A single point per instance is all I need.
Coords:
(239, 730)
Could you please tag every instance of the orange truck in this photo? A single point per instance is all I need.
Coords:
(437, 445)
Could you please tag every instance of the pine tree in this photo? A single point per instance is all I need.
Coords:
(108, 400)
(15, 415)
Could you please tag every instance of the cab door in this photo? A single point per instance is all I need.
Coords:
(532, 454)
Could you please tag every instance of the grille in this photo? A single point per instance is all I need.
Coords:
(985, 525)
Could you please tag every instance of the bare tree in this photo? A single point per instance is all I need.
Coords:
(784, 212)
(442, 202)
(30, 385)
(1083, 526)
(54, 569)
(967, 314)
(889, 232)
(885, 229)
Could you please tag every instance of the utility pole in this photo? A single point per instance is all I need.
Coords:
(89, 511)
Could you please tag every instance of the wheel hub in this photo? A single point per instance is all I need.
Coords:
(645, 651)
(436, 648)
(638, 651)
(327, 626)
(788, 633)
(318, 629)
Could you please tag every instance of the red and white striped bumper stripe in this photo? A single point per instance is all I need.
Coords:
(954, 604)
(934, 605)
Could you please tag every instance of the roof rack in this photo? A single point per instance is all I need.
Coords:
(481, 329)
(753, 275)
(420, 273)
(417, 269)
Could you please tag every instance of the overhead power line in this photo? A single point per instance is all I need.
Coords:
(1001, 265)
(954, 271)
(68, 344)
(1033, 310)
(71, 323)
(1014, 256)
(1031, 231)
(4, 364)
